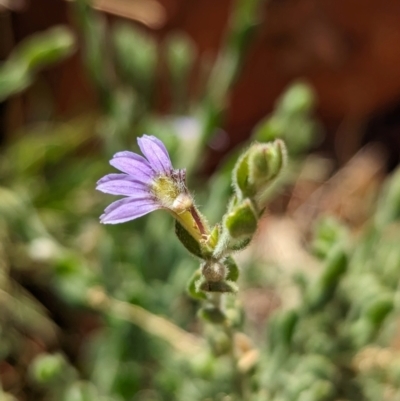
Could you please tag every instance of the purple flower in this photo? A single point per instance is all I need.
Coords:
(148, 183)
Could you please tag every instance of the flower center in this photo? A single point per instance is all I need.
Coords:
(165, 189)
(171, 193)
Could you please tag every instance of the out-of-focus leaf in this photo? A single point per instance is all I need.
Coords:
(27, 313)
(47, 144)
(180, 53)
(388, 210)
(34, 53)
(136, 56)
(45, 48)
(14, 78)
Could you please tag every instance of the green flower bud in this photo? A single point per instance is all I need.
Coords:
(265, 163)
(257, 167)
(241, 221)
(240, 178)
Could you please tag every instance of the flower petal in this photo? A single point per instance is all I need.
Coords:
(128, 209)
(122, 184)
(132, 164)
(155, 153)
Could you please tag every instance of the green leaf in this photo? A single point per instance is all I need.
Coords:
(324, 288)
(388, 208)
(45, 48)
(265, 163)
(192, 288)
(379, 308)
(136, 56)
(212, 314)
(180, 51)
(14, 78)
(34, 53)
(233, 269)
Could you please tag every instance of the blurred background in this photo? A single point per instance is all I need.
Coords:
(347, 52)
(91, 312)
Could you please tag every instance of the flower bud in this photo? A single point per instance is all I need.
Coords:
(257, 167)
(241, 221)
(265, 163)
(213, 271)
(240, 178)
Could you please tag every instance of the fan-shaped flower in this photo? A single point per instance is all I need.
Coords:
(148, 183)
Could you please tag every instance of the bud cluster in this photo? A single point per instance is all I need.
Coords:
(254, 172)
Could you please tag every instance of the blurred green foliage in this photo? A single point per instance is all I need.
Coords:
(60, 269)
(334, 345)
(31, 55)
